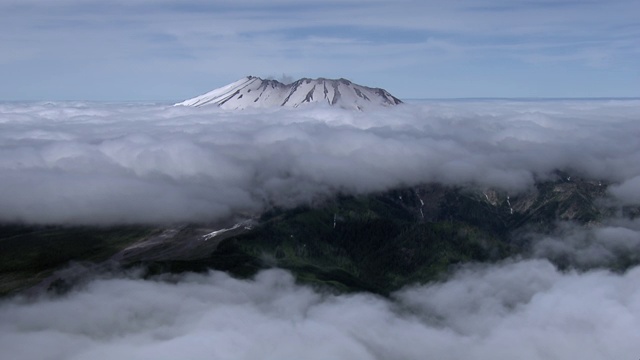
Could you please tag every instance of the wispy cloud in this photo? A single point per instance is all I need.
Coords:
(132, 45)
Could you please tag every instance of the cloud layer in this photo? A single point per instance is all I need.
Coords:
(129, 163)
(525, 310)
(136, 163)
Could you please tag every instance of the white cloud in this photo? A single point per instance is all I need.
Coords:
(127, 163)
(92, 163)
(628, 191)
(525, 310)
(615, 243)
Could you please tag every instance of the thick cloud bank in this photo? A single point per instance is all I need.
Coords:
(525, 310)
(119, 163)
(130, 163)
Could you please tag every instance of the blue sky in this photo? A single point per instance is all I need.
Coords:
(176, 49)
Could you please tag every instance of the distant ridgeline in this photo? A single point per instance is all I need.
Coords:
(254, 92)
(377, 242)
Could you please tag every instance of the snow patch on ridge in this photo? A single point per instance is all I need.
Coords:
(254, 92)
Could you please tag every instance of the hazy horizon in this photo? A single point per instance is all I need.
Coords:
(407, 100)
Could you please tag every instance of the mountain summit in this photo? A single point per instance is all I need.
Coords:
(254, 92)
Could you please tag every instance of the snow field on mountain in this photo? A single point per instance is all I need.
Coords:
(253, 92)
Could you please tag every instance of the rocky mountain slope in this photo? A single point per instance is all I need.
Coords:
(377, 242)
(254, 92)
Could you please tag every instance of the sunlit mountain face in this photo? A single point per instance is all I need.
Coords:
(254, 92)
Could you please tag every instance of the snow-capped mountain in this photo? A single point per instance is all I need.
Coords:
(254, 92)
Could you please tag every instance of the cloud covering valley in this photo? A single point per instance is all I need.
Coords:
(88, 163)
